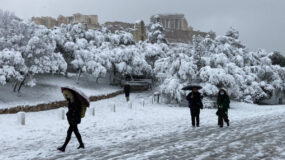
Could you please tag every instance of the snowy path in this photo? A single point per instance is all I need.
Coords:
(155, 131)
(261, 138)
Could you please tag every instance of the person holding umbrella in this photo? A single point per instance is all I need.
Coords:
(223, 102)
(77, 104)
(195, 104)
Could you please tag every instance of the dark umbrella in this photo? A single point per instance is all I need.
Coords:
(191, 87)
(80, 95)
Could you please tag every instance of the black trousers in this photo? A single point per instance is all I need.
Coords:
(72, 128)
(195, 116)
(222, 118)
(127, 96)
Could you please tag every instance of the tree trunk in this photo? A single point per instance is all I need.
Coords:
(15, 86)
(78, 77)
(22, 83)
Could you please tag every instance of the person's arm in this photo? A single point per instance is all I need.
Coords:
(228, 101)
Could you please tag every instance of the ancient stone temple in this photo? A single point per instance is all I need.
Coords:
(176, 28)
(172, 21)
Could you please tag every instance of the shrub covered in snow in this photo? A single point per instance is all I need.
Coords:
(12, 66)
(223, 62)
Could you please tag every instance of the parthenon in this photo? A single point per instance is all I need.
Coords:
(172, 21)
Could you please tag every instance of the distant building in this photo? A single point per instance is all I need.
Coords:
(91, 21)
(176, 28)
(49, 22)
(172, 21)
(139, 31)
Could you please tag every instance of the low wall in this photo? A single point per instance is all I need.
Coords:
(53, 105)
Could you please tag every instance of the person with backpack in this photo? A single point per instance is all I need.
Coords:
(195, 104)
(223, 103)
(74, 115)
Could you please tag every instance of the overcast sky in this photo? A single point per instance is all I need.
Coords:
(261, 22)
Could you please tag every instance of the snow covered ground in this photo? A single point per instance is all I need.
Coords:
(155, 131)
(48, 90)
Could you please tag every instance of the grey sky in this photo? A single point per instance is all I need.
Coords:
(261, 22)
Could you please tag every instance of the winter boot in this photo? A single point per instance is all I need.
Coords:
(62, 149)
(228, 123)
(81, 146)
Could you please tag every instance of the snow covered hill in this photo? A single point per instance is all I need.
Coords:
(155, 131)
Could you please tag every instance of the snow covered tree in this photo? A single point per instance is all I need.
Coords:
(127, 60)
(40, 57)
(179, 70)
(14, 33)
(224, 62)
(12, 66)
(88, 59)
(153, 52)
(155, 34)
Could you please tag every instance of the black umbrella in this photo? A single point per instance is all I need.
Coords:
(191, 87)
(80, 95)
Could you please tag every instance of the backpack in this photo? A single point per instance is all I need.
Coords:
(83, 111)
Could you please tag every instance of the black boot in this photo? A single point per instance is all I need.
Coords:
(81, 146)
(228, 123)
(62, 149)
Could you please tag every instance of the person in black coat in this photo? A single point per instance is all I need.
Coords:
(195, 104)
(223, 102)
(127, 89)
(73, 118)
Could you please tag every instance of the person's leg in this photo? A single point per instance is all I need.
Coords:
(68, 137)
(78, 136)
(198, 118)
(192, 117)
(220, 119)
(227, 119)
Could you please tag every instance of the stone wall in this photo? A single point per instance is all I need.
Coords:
(91, 21)
(180, 36)
(54, 105)
(139, 31)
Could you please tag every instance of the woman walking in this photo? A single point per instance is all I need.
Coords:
(195, 104)
(73, 118)
(223, 102)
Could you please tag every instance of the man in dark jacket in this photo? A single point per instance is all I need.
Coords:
(195, 104)
(73, 118)
(223, 102)
(127, 89)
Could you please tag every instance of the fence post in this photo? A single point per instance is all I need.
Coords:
(130, 105)
(113, 107)
(21, 118)
(93, 111)
(62, 113)
(143, 102)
